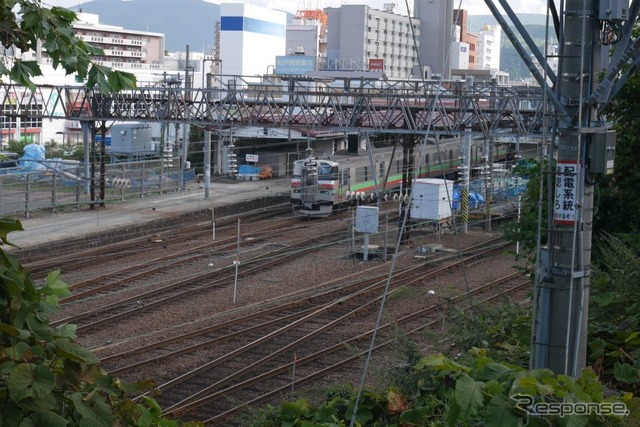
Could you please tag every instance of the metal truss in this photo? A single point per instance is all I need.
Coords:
(314, 106)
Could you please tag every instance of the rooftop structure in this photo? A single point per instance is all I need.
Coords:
(307, 34)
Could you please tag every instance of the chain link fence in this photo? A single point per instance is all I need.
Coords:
(23, 192)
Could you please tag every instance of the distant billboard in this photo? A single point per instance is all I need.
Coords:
(295, 64)
(376, 64)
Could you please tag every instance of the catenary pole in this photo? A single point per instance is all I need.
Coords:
(563, 283)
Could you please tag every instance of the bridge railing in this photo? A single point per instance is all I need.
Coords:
(312, 103)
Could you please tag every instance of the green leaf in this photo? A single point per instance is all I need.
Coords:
(8, 225)
(19, 382)
(153, 406)
(85, 411)
(64, 15)
(626, 373)
(69, 63)
(576, 420)
(468, 393)
(325, 414)
(492, 371)
(14, 332)
(32, 20)
(66, 331)
(145, 419)
(55, 286)
(120, 80)
(499, 414)
(41, 330)
(22, 71)
(46, 403)
(415, 416)
(440, 363)
(17, 352)
(98, 76)
(48, 419)
(11, 414)
(44, 381)
(74, 352)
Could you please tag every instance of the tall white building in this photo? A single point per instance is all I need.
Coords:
(362, 38)
(488, 48)
(250, 38)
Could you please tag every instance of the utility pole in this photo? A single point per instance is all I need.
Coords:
(207, 149)
(583, 147)
(564, 265)
(408, 143)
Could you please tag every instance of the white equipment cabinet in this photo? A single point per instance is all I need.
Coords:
(429, 199)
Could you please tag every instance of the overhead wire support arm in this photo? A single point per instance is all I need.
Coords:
(562, 111)
(556, 18)
(528, 40)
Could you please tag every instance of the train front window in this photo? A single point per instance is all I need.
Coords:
(297, 169)
(327, 172)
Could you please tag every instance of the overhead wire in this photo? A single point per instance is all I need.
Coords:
(537, 296)
(405, 219)
(578, 239)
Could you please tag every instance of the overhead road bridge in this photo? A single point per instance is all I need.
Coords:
(310, 105)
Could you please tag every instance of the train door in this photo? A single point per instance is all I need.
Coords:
(345, 180)
(309, 182)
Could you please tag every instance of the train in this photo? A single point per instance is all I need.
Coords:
(320, 183)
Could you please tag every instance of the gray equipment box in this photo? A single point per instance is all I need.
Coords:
(132, 139)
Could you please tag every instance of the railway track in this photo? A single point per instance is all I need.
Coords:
(333, 359)
(181, 234)
(262, 369)
(170, 291)
(271, 334)
(214, 367)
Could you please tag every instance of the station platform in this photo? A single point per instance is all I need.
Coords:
(140, 216)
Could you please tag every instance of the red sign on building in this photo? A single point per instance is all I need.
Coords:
(376, 64)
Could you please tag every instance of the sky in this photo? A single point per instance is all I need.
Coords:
(475, 7)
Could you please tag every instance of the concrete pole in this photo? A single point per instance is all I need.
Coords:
(562, 315)
(207, 151)
(465, 172)
(185, 126)
(87, 152)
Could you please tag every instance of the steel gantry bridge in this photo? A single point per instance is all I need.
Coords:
(313, 106)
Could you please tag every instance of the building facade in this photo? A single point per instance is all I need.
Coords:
(461, 21)
(489, 39)
(141, 53)
(250, 38)
(436, 18)
(307, 34)
(364, 39)
(459, 56)
(123, 49)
